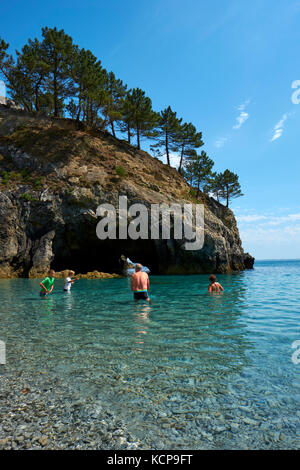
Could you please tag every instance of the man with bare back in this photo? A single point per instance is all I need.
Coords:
(140, 284)
(214, 286)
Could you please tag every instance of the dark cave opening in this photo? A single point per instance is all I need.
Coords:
(88, 253)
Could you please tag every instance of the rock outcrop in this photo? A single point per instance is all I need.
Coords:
(53, 177)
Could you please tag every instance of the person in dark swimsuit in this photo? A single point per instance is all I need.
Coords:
(139, 284)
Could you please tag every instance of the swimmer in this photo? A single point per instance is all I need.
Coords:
(214, 286)
(139, 283)
(48, 283)
(69, 281)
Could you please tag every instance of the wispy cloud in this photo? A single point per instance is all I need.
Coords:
(278, 128)
(268, 219)
(243, 116)
(270, 234)
(284, 236)
(250, 218)
(240, 120)
(221, 142)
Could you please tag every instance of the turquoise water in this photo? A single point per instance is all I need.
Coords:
(192, 370)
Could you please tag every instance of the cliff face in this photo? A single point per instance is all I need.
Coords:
(53, 177)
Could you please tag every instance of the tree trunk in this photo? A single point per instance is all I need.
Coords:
(167, 149)
(181, 160)
(112, 128)
(79, 111)
(36, 103)
(79, 106)
(128, 133)
(55, 87)
(198, 190)
(138, 138)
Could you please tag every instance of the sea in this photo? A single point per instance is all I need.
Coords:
(192, 370)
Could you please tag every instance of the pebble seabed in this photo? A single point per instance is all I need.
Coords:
(47, 414)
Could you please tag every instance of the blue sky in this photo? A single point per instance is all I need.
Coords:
(227, 66)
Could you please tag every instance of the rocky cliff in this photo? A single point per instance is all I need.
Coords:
(52, 178)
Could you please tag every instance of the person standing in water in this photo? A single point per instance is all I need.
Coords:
(48, 283)
(69, 281)
(214, 286)
(139, 283)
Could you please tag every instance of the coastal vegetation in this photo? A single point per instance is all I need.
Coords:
(55, 77)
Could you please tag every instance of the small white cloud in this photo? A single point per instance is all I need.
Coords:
(221, 142)
(283, 219)
(268, 219)
(2, 89)
(278, 128)
(174, 160)
(250, 218)
(283, 235)
(243, 116)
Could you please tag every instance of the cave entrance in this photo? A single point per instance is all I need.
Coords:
(91, 254)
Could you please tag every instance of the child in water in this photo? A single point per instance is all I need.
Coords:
(48, 283)
(69, 281)
(214, 286)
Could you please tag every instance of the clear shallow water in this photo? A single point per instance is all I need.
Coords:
(192, 370)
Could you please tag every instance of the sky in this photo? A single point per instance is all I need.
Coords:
(227, 66)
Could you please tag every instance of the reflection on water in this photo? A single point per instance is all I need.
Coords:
(141, 319)
(192, 367)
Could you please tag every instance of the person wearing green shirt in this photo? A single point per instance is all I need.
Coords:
(48, 283)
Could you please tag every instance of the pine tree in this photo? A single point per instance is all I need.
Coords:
(198, 170)
(57, 51)
(112, 109)
(225, 186)
(126, 123)
(167, 132)
(89, 80)
(231, 186)
(188, 139)
(31, 71)
(138, 114)
(7, 66)
(6, 61)
(213, 186)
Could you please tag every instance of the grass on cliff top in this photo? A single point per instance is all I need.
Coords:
(119, 159)
(49, 144)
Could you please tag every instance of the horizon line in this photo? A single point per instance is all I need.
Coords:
(277, 259)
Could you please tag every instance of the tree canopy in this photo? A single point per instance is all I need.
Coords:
(56, 77)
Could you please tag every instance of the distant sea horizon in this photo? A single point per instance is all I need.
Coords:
(277, 259)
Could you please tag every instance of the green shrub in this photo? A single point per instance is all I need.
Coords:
(28, 197)
(5, 177)
(120, 171)
(26, 173)
(37, 183)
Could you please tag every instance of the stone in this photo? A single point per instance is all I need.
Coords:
(44, 441)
